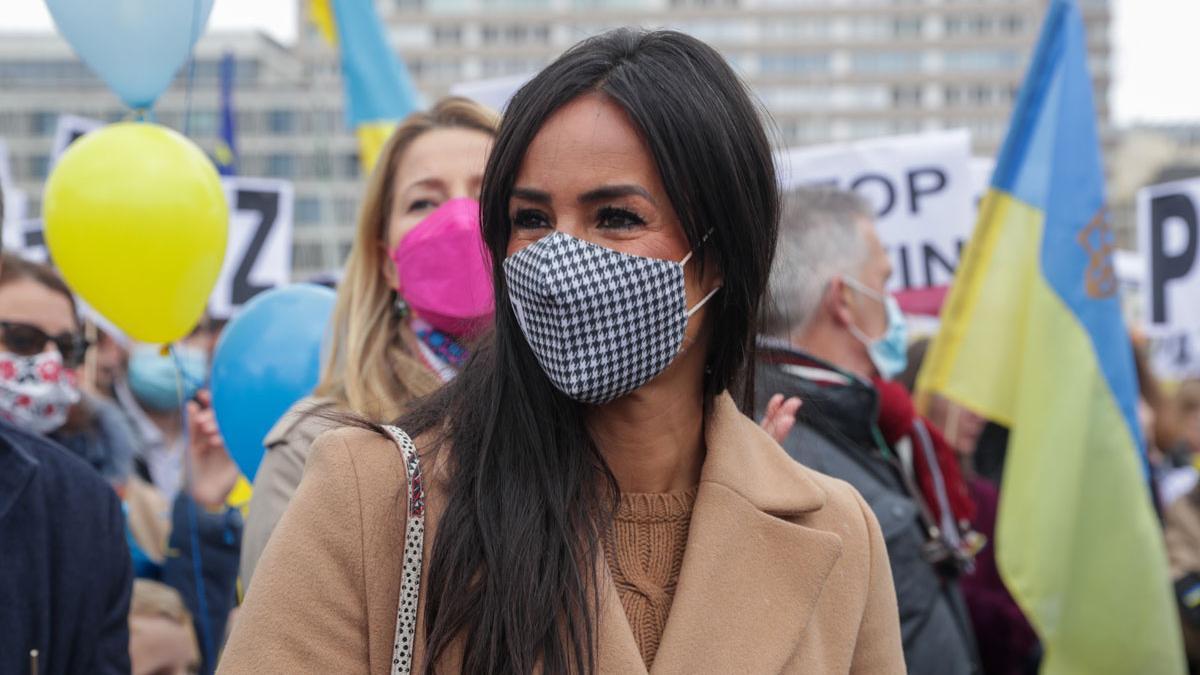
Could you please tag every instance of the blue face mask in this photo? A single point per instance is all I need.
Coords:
(888, 352)
(154, 379)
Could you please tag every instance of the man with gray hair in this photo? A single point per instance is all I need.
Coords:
(833, 336)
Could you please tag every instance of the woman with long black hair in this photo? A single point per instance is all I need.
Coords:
(586, 496)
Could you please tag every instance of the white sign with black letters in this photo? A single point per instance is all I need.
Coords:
(1169, 240)
(68, 130)
(920, 186)
(259, 254)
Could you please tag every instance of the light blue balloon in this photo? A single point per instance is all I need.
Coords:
(135, 46)
(268, 358)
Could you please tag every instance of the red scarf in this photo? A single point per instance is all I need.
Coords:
(896, 417)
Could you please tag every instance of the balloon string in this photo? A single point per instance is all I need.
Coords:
(189, 474)
(191, 70)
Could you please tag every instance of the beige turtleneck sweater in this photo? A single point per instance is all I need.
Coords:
(644, 549)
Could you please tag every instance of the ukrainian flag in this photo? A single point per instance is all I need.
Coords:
(1033, 338)
(379, 91)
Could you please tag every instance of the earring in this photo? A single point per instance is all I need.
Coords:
(399, 306)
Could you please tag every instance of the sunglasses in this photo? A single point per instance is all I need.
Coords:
(26, 340)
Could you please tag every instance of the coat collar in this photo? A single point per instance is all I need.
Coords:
(750, 576)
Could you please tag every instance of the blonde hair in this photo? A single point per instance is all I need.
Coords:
(368, 369)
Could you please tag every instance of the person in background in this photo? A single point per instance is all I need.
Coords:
(1184, 416)
(595, 499)
(414, 289)
(149, 392)
(150, 396)
(65, 572)
(1008, 645)
(834, 337)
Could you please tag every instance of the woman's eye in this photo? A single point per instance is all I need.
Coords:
(613, 218)
(421, 205)
(528, 219)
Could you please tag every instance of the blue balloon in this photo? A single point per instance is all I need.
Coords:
(268, 358)
(135, 46)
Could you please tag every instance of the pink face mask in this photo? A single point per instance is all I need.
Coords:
(444, 271)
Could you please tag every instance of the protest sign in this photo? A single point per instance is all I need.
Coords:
(259, 254)
(68, 130)
(920, 187)
(1169, 239)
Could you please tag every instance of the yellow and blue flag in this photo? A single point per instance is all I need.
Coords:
(226, 150)
(1033, 337)
(379, 90)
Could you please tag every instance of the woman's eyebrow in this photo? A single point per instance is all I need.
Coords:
(531, 195)
(607, 192)
(432, 183)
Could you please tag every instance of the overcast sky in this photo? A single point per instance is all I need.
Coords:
(1154, 42)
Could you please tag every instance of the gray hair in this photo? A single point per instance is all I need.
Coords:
(820, 237)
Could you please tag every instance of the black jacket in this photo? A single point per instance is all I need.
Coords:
(65, 573)
(836, 434)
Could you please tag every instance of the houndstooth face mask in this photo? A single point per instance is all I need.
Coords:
(602, 323)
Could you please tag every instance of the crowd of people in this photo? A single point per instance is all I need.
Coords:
(597, 397)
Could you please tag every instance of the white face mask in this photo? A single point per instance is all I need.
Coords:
(36, 392)
(602, 323)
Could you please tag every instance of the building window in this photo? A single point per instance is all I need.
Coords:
(281, 122)
(886, 62)
(308, 255)
(308, 210)
(281, 166)
(344, 210)
(351, 165)
(1000, 59)
(786, 64)
(38, 166)
(907, 96)
(202, 123)
(907, 27)
(42, 123)
(447, 35)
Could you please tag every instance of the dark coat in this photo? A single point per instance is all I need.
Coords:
(65, 573)
(836, 434)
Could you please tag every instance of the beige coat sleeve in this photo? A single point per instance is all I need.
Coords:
(307, 608)
(879, 648)
(287, 451)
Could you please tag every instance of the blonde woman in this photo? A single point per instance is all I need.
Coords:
(417, 283)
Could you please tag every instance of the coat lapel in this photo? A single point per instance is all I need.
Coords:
(617, 650)
(749, 576)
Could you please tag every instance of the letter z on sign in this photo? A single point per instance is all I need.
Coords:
(259, 254)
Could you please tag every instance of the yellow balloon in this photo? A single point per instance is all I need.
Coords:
(136, 220)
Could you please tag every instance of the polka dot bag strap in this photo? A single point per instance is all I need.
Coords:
(414, 543)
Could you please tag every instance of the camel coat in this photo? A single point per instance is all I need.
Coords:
(785, 570)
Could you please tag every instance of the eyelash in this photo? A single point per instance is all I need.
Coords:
(607, 213)
(528, 219)
(421, 205)
(524, 219)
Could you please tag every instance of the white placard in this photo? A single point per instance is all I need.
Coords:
(494, 93)
(259, 254)
(921, 187)
(981, 177)
(68, 130)
(1169, 239)
(6, 181)
(16, 226)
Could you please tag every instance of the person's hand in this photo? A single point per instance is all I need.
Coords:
(780, 416)
(214, 472)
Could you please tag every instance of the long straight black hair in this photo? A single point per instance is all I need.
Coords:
(513, 570)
